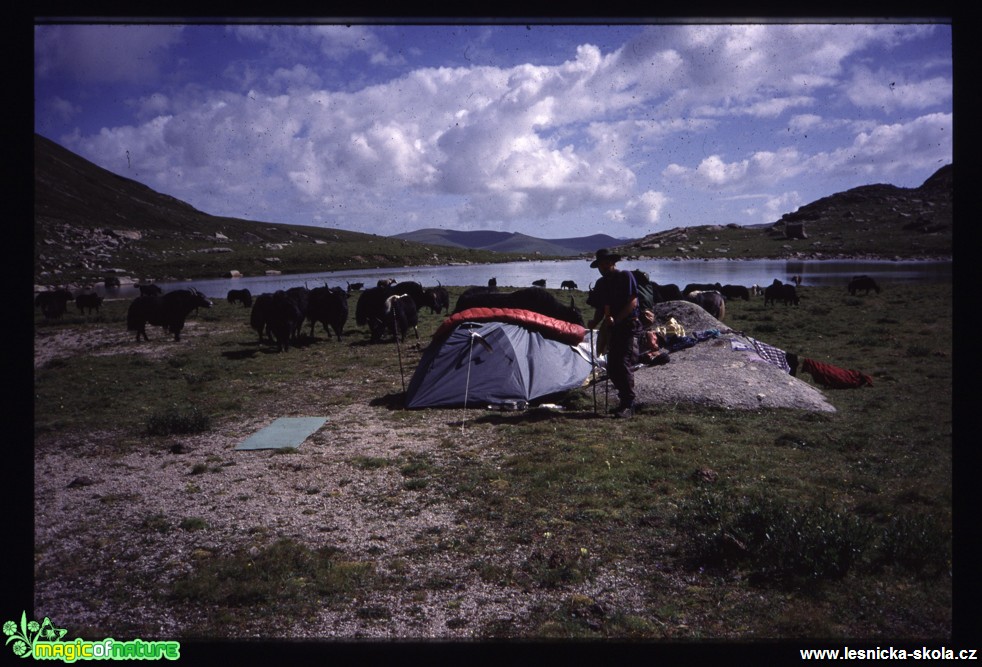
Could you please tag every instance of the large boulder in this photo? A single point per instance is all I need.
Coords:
(721, 372)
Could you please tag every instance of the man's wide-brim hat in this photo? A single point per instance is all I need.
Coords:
(604, 255)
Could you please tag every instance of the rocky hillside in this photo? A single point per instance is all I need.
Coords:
(90, 224)
(880, 220)
(923, 210)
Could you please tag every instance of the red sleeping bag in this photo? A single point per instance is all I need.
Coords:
(828, 375)
(549, 327)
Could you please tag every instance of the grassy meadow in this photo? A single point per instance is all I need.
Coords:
(781, 524)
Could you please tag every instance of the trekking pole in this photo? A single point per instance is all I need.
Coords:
(395, 329)
(607, 368)
(606, 389)
(593, 369)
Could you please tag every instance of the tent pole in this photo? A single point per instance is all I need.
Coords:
(467, 383)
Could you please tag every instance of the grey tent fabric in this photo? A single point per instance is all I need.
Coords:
(493, 363)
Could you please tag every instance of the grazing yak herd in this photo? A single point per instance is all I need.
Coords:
(391, 309)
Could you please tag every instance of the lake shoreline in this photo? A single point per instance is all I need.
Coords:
(129, 281)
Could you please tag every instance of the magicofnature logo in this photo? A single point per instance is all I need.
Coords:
(43, 641)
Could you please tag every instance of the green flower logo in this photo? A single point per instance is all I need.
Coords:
(49, 632)
(28, 632)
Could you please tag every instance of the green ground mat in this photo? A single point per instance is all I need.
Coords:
(284, 432)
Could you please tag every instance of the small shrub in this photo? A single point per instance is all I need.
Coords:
(775, 540)
(558, 568)
(917, 543)
(156, 523)
(193, 523)
(174, 421)
(370, 462)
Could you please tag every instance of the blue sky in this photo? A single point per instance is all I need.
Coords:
(549, 130)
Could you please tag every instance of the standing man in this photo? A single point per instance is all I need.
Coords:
(615, 298)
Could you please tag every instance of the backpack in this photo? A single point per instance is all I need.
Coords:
(646, 290)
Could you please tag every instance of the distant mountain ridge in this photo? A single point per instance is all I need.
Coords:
(511, 242)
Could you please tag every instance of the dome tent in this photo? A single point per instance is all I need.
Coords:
(494, 362)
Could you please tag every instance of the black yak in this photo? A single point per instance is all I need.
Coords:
(535, 299)
(89, 302)
(259, 316)
(53, 303)
(284, 319)
(299, 296)
(864, 283)
(778, 291)
(702, 287)
(736, 292)
(414, 290)
(329, 306)
(149, 289)
(438, 299)
(667, 292)
(370, 310)
(710, 301)
(400, 315)
(243, 296)
(169, 311)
